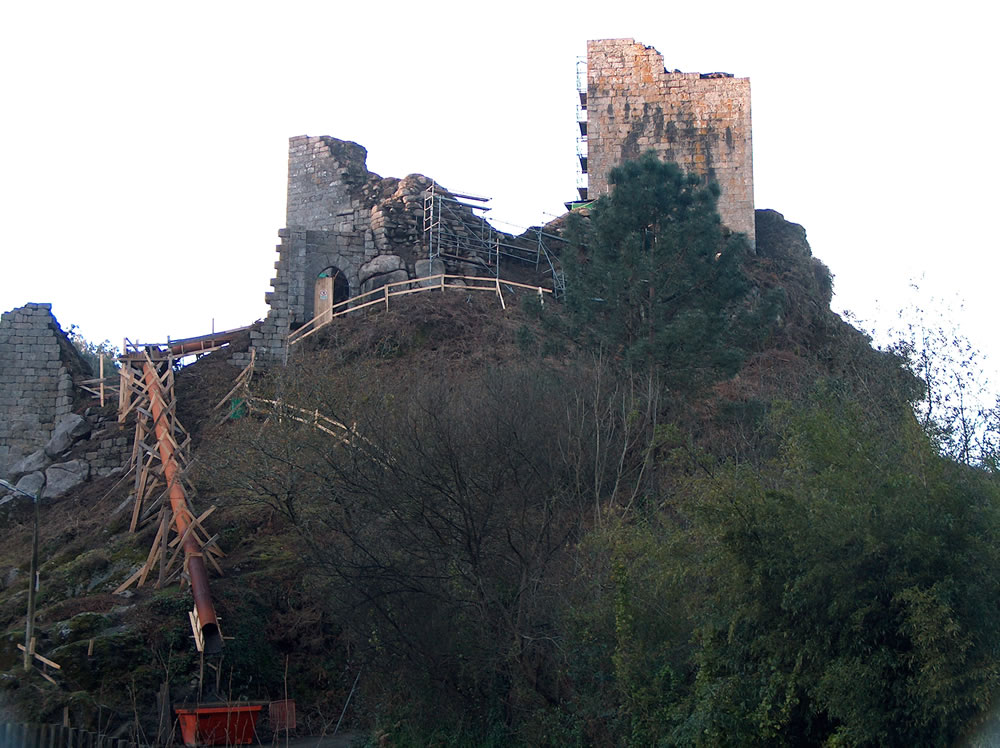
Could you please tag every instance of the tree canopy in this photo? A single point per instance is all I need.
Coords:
(657, 279)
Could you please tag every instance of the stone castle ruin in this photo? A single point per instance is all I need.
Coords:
(700, 121)
(349, 231)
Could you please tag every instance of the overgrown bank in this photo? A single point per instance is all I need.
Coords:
(691, 518)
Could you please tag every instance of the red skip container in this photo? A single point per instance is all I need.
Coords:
(231, 724)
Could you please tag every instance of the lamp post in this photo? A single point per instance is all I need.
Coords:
(29, 630)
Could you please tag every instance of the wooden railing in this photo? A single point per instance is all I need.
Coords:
(381, 296)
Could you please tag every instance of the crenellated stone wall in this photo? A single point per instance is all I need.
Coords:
(37, 365)
(699, 121)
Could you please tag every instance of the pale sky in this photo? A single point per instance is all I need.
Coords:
(143, 154)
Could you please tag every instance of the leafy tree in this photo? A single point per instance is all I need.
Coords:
(92, 352)
(846, 593)
(958, 407)
(657, 279)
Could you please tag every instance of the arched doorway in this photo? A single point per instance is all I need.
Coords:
(331, 288)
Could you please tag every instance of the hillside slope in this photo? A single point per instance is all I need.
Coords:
(479, 547)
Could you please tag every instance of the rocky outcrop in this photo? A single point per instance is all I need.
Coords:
(380, 265)
(94, 444)
(32, 483)
(63, 477)
(70, 429)
(33, 463)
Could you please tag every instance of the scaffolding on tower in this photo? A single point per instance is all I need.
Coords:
(456, 230)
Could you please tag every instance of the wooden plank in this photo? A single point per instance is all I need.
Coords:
(140, 492)
(239, 384)
(195, 523)
(127, 583)
(418, 289)
(212, 546)
(38, 657)
(150, 559)
(214, 563)
(165, 530)
(199, 639)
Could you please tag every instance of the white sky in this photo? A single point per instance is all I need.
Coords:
(143, 146)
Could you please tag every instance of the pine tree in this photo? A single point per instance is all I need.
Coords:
(654, 276)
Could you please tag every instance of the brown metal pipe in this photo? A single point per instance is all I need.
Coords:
(178, 503)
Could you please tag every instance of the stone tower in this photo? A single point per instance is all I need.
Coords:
(700, 121)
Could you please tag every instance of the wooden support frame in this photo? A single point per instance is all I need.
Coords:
(151, 487)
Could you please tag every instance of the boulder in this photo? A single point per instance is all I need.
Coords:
(380, 265)
(31, 483)
(63, 477)
(70, 429)
(427, 268)
(377, 281)
(33, 463)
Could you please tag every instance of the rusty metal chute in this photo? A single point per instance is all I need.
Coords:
(193, 558)
(147, 389)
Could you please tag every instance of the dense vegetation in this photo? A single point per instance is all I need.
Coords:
(689, 507)
(621, 543)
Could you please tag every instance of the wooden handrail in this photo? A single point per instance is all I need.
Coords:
(382, 294)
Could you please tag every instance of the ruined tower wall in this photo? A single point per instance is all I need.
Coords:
(36, 381)
(700, 122)
(339, 215)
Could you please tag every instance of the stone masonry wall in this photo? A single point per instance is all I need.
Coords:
(37, 362)
(339, 215)
(699, 121)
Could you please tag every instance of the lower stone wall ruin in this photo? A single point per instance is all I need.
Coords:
(47, 449)
(37, 366)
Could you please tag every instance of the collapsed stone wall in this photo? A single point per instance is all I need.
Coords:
(340, 215)
(82, 446)
(37, 366)
(699, 121)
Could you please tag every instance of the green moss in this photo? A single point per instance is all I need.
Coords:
(83, 626)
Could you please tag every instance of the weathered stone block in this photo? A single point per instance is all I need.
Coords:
(31, 483)
(425, 268)
(63, 477)
(380, 265)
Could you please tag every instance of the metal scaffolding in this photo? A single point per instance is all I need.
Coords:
(455, 230)
(581, 122)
